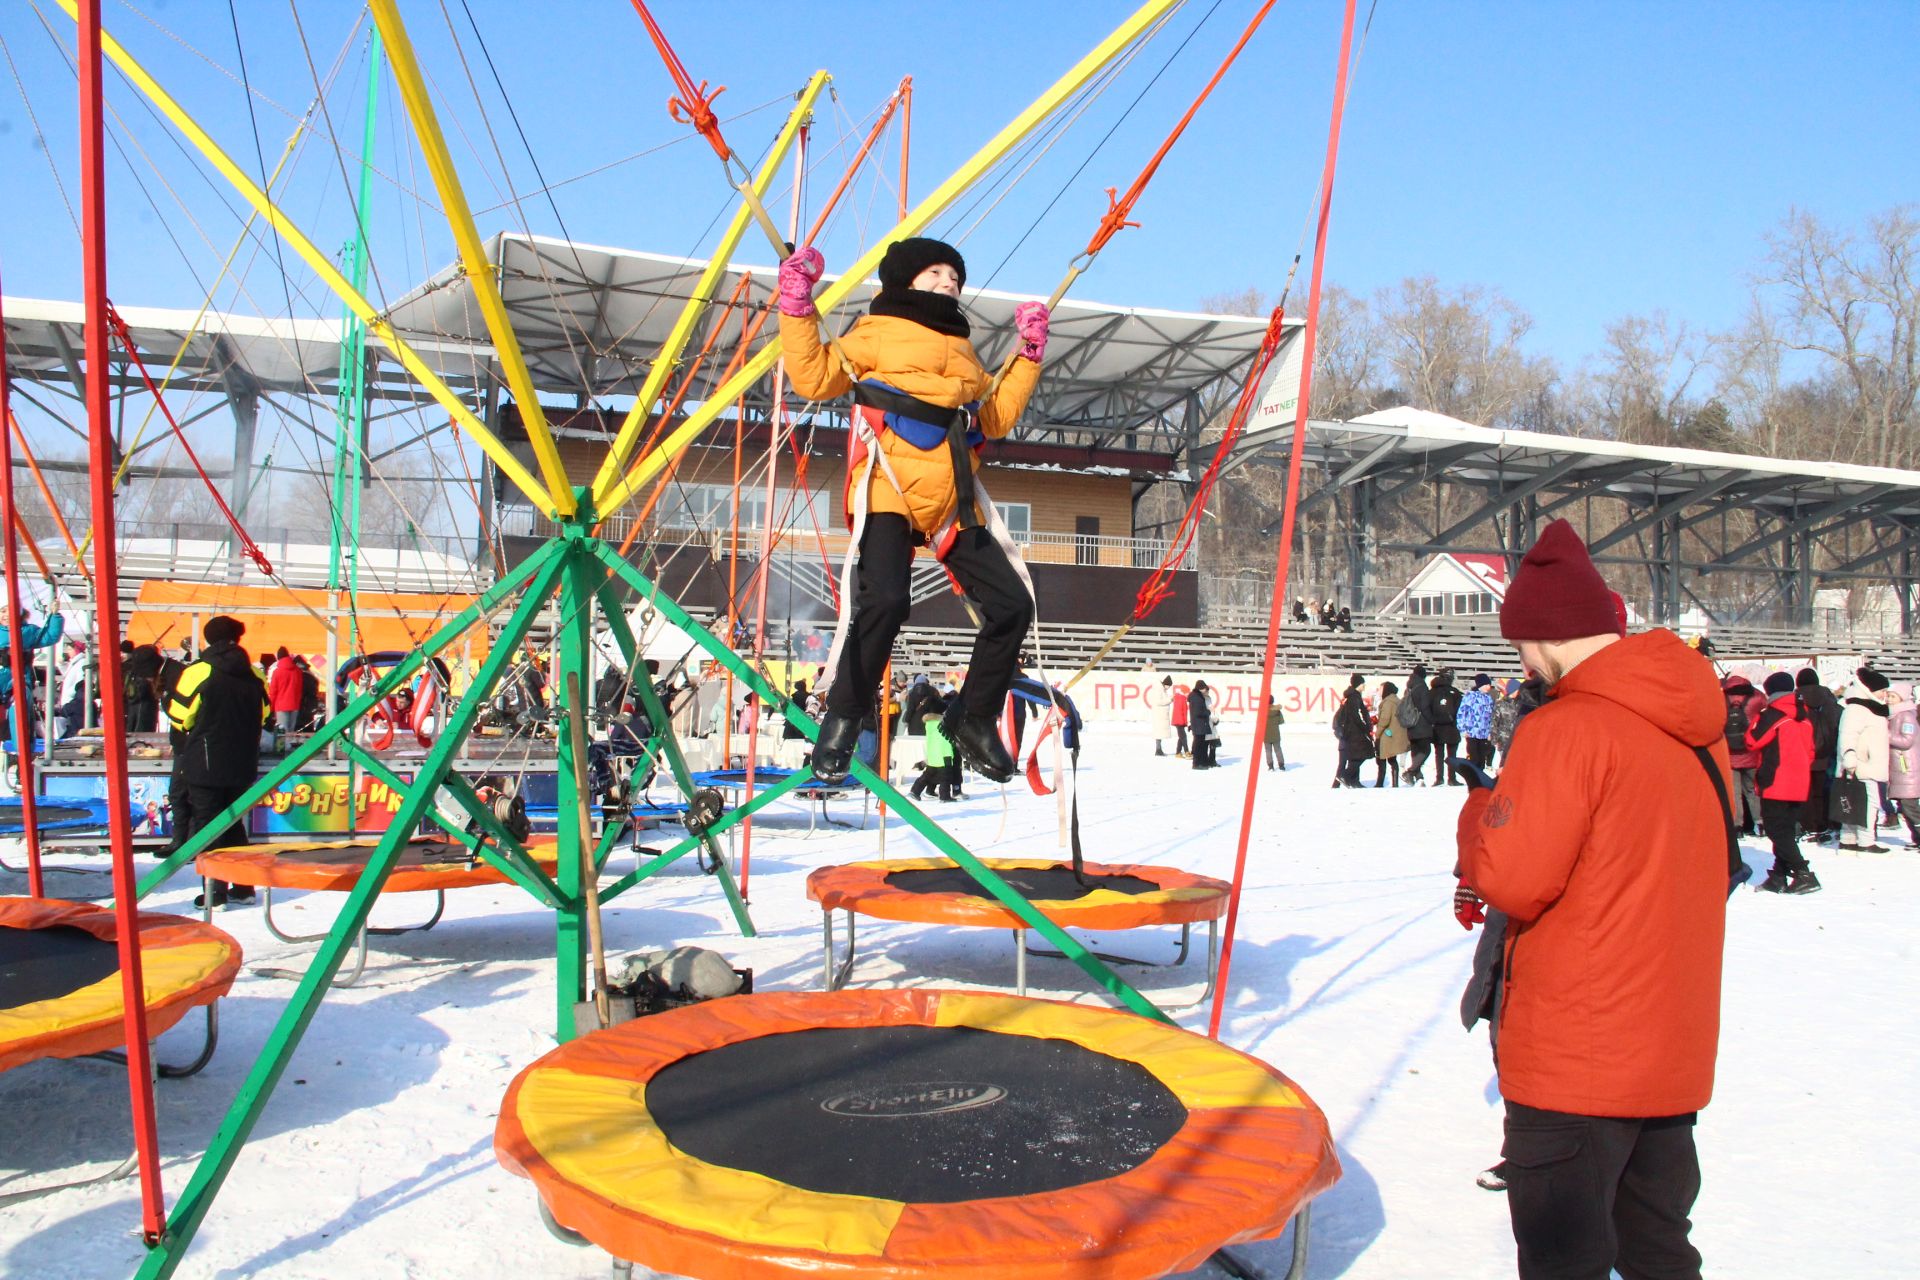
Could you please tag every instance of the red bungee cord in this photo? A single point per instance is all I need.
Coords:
(247, 544)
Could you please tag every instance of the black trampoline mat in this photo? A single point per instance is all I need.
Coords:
(924, 1115)
(1046, 884)
(45, 964)
(13, 818)
(415, 854)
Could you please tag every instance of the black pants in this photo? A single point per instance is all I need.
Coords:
(179, 807)
(1593, 1194)
(1205, 750)
(1480, 752)
(1380, 768)
(1813, 814)
(1350, 763)
(1782, 821)
(1421, 748)
(1276, 758)
(882, 599)
(1445, 746)
(206, 804)
(1179, 739)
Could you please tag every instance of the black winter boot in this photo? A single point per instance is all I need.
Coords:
(834, 751)
(1803, 882)
(1776, 882)
(977, 738)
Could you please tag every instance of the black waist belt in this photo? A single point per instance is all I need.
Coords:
(957, 424)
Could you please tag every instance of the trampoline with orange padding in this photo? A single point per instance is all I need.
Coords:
(335, 866)
(1108, 897)
(921, 1133)
(60, 993)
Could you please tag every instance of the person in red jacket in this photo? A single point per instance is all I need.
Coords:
(284, 688)
(1604, 842)
(1782, 738)
(1744, 705)
(1182, 714)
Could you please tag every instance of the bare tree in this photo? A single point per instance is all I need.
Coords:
(1855, 301)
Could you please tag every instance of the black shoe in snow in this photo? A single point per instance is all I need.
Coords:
(1775, 882)
(240, 893)
(1803, 882)
(219, 901)
(834, 750)
(977, 738)
(1494, 1179)
(1849, 847)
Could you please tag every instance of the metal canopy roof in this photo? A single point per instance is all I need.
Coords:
(1397, 448)
(590, 319)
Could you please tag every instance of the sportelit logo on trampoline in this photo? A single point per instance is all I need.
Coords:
(896, 1102)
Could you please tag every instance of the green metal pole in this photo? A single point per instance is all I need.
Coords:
(1111, 982)
(267, 1069)
(351, 411)
(670, 744)
(504, 854)
(570, 921)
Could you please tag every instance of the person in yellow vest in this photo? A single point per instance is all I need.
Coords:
(921, 414)
(220, 704)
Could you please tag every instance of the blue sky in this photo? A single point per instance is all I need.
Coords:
(1589, 160)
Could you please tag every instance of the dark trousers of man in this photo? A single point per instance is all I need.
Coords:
(1445, 746)
(207, 804)
(1422, 747)
(1782, 821)
(1813, 814)
(882, 598)
(1205, 750)
(1180, 740)
(1276, 758)
(1594, 1194)
(1480, 752)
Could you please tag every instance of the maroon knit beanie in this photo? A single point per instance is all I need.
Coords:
(1558, 594)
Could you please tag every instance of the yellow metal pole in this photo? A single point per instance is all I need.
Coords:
(480, 271)
(511, 467)
(608, 497)
(664, 363)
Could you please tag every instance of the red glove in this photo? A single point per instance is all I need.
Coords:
(798, 275)
(1468, 909)
(1030, 320)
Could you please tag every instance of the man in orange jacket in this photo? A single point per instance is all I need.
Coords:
(1605, 844)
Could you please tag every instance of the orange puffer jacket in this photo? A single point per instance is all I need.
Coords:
(1604, 842)
(935, 367)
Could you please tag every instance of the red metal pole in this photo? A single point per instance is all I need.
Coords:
(1276, 604)
(16, 650)
(106, 635)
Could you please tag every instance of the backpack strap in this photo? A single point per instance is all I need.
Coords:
(1738, 872)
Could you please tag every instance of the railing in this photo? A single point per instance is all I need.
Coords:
(190, 550)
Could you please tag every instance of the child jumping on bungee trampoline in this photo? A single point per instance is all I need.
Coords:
(921, 413)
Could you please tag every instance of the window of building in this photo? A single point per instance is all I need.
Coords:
(700, 507)
(1019, 519)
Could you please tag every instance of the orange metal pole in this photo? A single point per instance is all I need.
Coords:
(46, 495)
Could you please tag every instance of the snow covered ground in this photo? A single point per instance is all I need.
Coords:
(375, 1157)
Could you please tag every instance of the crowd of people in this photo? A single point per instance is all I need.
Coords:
(1809, 768)
(1431, 719)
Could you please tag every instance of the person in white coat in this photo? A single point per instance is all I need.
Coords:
(1160, 712)
(1864, 753)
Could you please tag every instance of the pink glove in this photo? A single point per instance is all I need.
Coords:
(798, 275)
(1030, 321)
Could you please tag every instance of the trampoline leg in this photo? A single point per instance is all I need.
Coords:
(1020, 962)
(1186, 935)
(208, 1043)
(835, 977)
(121, 1170)
(1213, 957)
(1302, 1224)
(439, 909)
